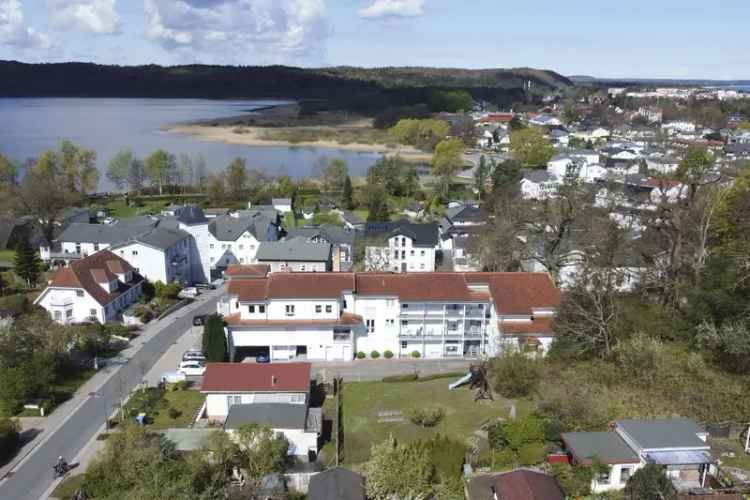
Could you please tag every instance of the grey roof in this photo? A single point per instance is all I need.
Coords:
(662, 433)
(227, 228)
(295, 249)
(102, 233)
(275, 415)
(141, 220)
(332, 234)
(424, 235)
(609, 447)
(281, 201)
(536, 175)
(352, 218)
(467, 213)
(160, 237)
(191, 214)
(336, 484)
(266, 211)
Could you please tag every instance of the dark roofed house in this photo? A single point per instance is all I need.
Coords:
(295, 254)
(408, 247)
(519, 484)
(342, 241)
(336, 484)
(352, 220)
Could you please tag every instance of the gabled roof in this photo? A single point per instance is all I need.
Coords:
(296, 249)
(425, 235)
(103, 233)
(538, 326)
(87, 273)
(336, 484)
(227, 228)
(251, 377)
(247, 271)
(191, 214)
(159, 237)
(466, 213)
(333, 234)
(527, 485)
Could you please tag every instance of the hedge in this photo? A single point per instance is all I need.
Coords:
(374, 354)
(361, 355)
(387, 354)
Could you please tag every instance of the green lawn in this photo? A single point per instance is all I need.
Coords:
(118, 209)
(364, 400)
(740, 460)
(68, 487)
(187, 402)
(7, 256)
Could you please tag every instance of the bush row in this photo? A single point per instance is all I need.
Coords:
(386, 354)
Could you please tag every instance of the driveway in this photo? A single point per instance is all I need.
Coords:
(74, 424)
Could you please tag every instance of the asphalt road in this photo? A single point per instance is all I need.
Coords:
(33, 476)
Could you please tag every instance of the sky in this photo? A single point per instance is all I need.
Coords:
(636, 38)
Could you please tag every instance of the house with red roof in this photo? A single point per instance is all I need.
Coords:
(276, 395)
(333, 316)
(96, 288)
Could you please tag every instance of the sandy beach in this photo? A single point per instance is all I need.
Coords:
(255, 136)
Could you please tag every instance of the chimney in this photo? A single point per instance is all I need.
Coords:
(273, 380)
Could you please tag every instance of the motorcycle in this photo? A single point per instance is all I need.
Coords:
(60, 469)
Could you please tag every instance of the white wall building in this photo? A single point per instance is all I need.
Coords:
(98, 287)
(408, 248)
(331, 316)
(235, 240)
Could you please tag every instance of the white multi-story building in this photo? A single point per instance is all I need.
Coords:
(96, 288)
(235, 240)
(408, 248)
(332, 316)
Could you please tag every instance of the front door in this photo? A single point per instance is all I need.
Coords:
(403, 267)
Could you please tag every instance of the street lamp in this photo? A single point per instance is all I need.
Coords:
(98, 395)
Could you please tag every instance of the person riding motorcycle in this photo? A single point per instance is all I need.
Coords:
(61, 466)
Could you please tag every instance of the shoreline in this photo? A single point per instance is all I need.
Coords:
(251, 136)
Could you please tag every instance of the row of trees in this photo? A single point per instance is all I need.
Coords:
(159, 169)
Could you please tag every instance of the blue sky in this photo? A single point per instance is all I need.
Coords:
(656, 38)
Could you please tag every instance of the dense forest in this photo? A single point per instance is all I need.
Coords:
(360, 89)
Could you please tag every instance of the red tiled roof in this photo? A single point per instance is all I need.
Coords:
(659, 183)
(497, 118)
(87, 273)
(539, 326)
(527, 485)
(309, 285)
(346, 319)
(251, 377)
(247, 271)
(512, 293)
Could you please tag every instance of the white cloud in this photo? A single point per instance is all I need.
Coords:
(393, 8)
(240, 31)
(94, 16)
(13, 32)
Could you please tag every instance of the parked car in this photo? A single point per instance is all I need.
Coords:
(192, 368)
(188, 293)
(199, 320)
(194, 355)
(262, 359)
(205, 286)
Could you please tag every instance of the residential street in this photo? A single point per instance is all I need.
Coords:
(74, 424)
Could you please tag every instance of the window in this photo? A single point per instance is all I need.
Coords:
(329, 308)
(234, 400)
(290, 310)
(453, 326)
(79, 293)
(412, 253)
(318, 309)
(625, 474)
(302, 267)
(404, 344)
(370, 325)
(211, 245)
(212, 259)
(252, 247)
(403, 242)
(92, 313)
(96, 247)
(134, 252)
(344, 303)
(58, 315)
(421, 266)
(403, 254)
(404, 306)
(262, 309)
(251, 309)
(602, 478)
(421, 253)
(404, 322)
(390, 322)
(78, 248)
(242, 247)
(69, 313)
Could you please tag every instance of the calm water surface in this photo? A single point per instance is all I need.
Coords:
(30, 126)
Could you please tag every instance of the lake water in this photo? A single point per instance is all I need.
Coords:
(29, 126)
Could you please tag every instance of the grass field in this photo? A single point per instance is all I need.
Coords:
(68, 487)
(118, 209)
(364, 400)
(187, 402)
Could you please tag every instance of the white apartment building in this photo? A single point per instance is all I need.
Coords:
(96, 288)
(408, 248)
(235, 240)
(332, 316)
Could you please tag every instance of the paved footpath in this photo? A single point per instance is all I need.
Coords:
(72, 425)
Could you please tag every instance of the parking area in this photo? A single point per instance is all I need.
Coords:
(191, 339)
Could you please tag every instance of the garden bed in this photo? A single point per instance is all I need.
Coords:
(165, 409)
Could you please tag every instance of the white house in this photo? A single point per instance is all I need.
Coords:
(295, 254)
(538, 185)
(98, 287)
(331, 316)
(677, 444)
(408, 247)
(275, 394)
(235, 240)
(282, 205)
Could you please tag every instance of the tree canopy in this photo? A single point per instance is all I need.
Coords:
(530, 147)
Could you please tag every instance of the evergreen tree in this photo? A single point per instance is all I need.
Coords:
(348, 195)
(214, 342)
(27, 262)
(650, 483)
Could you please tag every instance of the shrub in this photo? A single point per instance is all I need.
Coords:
(387, 354)
(361, 355)
(425, 417)
(173, 412)
(531, 454)
(410, 377)
(374, 354)
(514, 375)
(177, 386)
(416, 354)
